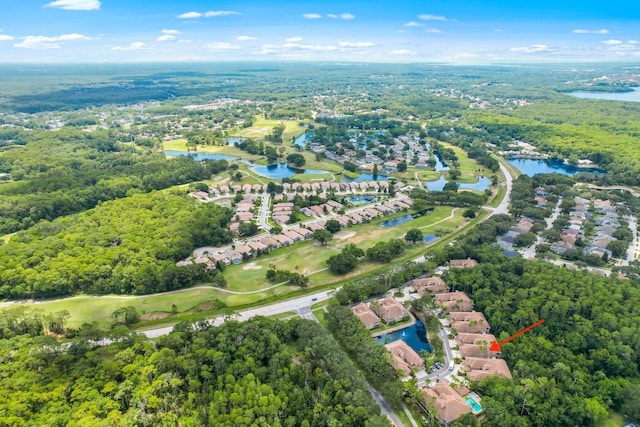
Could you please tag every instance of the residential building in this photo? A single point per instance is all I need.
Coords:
(389, 309)
(448, 403)
(479, 368)
(404, 357)
(366, 315)
(463, 263)
(454, 301)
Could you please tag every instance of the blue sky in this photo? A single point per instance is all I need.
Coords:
(457, 31)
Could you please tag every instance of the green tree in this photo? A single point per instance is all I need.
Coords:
(414, 236)
(333, 226)
(322, 236)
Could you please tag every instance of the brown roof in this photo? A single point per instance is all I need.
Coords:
(479, 368)
(468, 316)
(404, 357)
(470, 338)
(463, 263)
(448, 403)
(433, 285)
(390, 310)
(268, 241)
(454, 301)
(478, 325)
(366, 315)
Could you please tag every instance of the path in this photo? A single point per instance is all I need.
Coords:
(530, 252)
(453, 212)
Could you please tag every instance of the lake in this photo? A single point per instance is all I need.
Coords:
(202, 156)
(365, 177)
(396, 221)
(633, 96)
(438, 185)
(359, 200)
(440, 165)
(531, 167)
(415, 336)
(302, 140)
(282, 170)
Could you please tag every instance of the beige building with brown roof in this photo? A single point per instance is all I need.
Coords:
(469, 322)
(479, 368)
(463, 263)
(366, 315)
(389, 309)
(448, 403)
(433, 285)
(454, 301)
(404, 357)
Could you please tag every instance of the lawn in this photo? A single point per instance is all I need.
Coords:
(613, 420)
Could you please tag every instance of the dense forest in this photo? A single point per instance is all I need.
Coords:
(122, 246)
(262, 372)
(69, 171)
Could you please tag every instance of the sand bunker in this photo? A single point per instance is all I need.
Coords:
(252, 266)
(344, 235)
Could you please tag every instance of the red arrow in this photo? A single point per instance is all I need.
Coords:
(495, 347)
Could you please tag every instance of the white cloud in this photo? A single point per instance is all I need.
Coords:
(312, 16)
(221, 46)
(166, 38)
(312, 47)
(209, 14)
(583, 31)
(427, 17)
(133, 46)
(413, 24)
(4, 37)
(189, 15)
(356, 44)
(433, 30)
(170, 32)
(536, 48)
(332, 15)
(245, 38)
(213, 13)
(75, 4)
(633, 42)
(44, 42)
(293, 39)
(401, 52)
(612, 42)
(347, 16)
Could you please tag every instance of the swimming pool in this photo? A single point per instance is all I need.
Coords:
(475, 406)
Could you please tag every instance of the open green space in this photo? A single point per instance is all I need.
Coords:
(613, 420)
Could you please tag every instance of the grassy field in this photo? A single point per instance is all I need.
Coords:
(613, 420)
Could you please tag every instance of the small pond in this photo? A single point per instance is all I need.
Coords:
(282, 170)
(396, 221)
(365, 177)
(438, 185)
(234, 141)
(361, 199)
(531, 167)
(415, 336)
(202, 156)
(428, 238)
(440, 164)
(631, 96)
(302, 140)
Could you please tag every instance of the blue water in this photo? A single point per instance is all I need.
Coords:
(396, 221)
(440, 165)
(361, 199)
(533, 167)
(365, 177)
(201, 156)
(428, 238)
(415, 336)
(475, 406)
(438, 185)
(234, 141)
(616, 96)
(301, 140)
(282, 170)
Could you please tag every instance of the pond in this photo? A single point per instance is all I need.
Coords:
(365, 177)
(438, 185)
(632, 96)
(361, 199)
(302, 140)
(234, 141)
(533, 167)
(396, 221)
(415, 336)
(282, 170)
(202, 156)
(428, 238)
(440, 164)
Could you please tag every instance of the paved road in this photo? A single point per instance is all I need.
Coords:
(503, 207)
(263, 214)
(632, 252)
(293, 305)
(530, 252)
